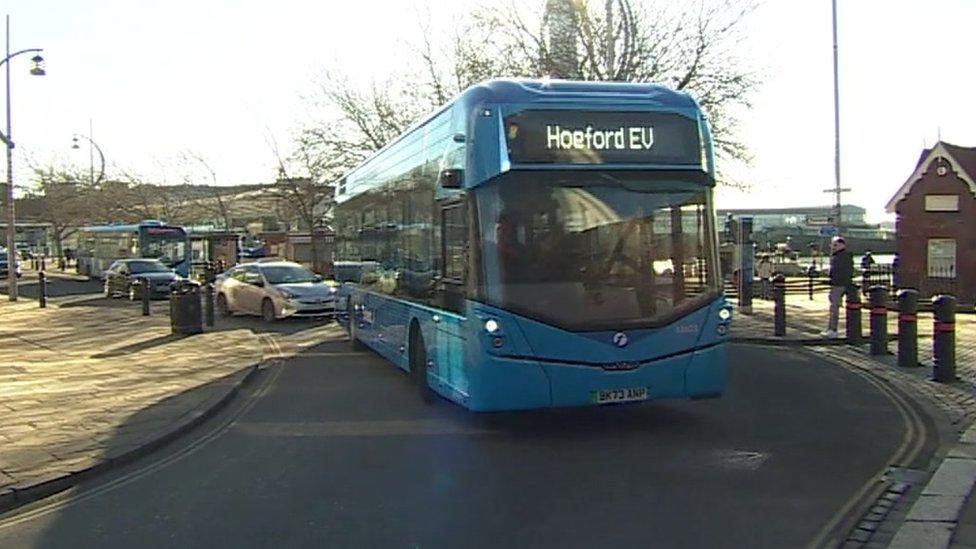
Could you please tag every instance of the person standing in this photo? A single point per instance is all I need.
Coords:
(765, 272)
(841, 274)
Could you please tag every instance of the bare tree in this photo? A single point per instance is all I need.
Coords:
(219, 205)
(61, 198)
(689, 46)
(302, 185)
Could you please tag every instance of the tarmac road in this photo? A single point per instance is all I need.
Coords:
(334, 449)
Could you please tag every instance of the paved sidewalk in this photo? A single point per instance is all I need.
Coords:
(86, 387)
(944, 512)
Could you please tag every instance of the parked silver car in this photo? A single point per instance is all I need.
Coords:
(274, 289)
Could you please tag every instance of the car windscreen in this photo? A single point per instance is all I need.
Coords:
(287, 274)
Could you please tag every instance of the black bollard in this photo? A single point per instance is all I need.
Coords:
(944, 338)
(878, 299)
(208, 310)
(908, 328)
(779, 305)
(41, 266)
(144, 289)
(42, 289)
(811, 271)
(853, 321)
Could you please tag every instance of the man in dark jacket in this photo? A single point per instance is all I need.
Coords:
(841, 274)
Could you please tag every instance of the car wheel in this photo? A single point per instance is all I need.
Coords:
(267, 310)
(223, 308)
(418, 365)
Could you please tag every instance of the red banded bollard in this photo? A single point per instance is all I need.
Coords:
(878, 300)
(779, 305)
(908, 328)
(853, 320)
(944, 338)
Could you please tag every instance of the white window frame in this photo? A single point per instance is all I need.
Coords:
(941, 258)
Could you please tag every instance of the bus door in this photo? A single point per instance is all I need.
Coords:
(450, 292)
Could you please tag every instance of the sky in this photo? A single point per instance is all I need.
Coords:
(222, 78)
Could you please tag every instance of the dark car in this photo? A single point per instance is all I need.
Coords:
(4, 262)
(125, 276)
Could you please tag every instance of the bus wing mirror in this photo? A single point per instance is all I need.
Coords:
(451, 179)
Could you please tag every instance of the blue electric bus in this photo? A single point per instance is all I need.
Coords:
(99, 246)
(541, 243)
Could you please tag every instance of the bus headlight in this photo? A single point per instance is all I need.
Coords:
(492, 326)
(724, 314)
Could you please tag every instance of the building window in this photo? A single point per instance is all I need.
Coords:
(942, 203)
(942, 258)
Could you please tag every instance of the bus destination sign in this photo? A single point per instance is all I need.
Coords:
(596, 137)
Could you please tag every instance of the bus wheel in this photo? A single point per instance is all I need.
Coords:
(222, 308)
(418, 365)
(267, 310)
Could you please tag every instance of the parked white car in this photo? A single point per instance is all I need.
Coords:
(274, 289)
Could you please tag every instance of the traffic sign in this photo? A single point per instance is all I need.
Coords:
(828, 231)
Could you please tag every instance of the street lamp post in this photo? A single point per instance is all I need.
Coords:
(38, 70)
(91, 159)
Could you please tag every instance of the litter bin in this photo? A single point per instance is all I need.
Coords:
(185, 316)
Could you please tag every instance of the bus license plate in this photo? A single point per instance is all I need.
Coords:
(629, 394)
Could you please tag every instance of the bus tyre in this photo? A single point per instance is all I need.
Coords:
(222, 308)
(418, 365)
(267, 310)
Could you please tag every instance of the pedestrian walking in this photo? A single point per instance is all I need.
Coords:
(867, 260)
(841, 274)
(765, 272)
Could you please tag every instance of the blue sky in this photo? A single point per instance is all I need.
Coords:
(216, 77)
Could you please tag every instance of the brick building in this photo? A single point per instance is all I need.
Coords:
(936, 224)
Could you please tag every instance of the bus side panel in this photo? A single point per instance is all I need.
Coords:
(378, 312)
(384, 327)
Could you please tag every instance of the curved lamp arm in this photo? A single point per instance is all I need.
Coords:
(101, 156)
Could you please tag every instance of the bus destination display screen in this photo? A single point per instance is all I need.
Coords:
(596, 137)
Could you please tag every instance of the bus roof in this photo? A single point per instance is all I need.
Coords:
(127, 228)
(525, 90)
(518, 93)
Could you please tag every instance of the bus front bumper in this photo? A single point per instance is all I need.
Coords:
(513, 384)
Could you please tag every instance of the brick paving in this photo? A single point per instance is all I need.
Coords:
(84, 385)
